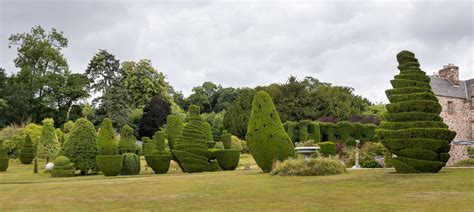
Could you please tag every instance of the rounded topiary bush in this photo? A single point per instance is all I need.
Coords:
(4, 160)
(81, 146)
(62, 167)
(159, 161)
(127, 140)
(27, 153)
(110, 165)
(266, 137)
(131, 164)
(328, 148)
(190, 148)
(311, 167)
(228, 159)
(414, 131)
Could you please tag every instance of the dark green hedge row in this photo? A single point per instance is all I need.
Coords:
(418, 77)
(422, 143)
(407, 90)
(303, 130)
(328, 131)
(426, 106)
(344, 129)
(291, 129)
(399, 83)
(412, 116)
(413, 96)
(413, 124)
(428, 133)
(110, 165)
(131, 164)
(228, 159)
(314, 132)
(328, 148)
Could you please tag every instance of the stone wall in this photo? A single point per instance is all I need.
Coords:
(459, 121)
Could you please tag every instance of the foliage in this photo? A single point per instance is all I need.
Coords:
(328, 148)
(81, 146)
(131, 164)
(4, 160)
(470, 151)
(159, 163)
(173, 130)
(419, 147)
(311, 167)
(27, 153)
(48, 146)
(110, 165)
(13, 137)
(159, 141)
(465, 163)
(226, 139)
(126, 143)
(135, 117)
(63, 167)
(154, 116)
(216, 122)
(211, 97)
(143, 82)
(207, 129)
(266, 136)
(344, 129)
(314, 132)
(106, 141)
(191, 148)
(61, 136)
(228, 159)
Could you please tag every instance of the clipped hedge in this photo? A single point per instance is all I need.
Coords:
(328, 131)
(110, 165)
(303, 130)
(208, 132)
(131, 164)
(314, 132)
(62, 167)
(344, 129)
(159, 140)
(108, 160)
(148, 145)
(414, 131)
(328, 148)
(292, 130)
(27, 153)
(228, 159)
(159, 161)
(310, 167)
(174, 127)
(226, 139)
(266, 136)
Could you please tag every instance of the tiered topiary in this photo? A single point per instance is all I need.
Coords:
(81, 146)
(190, 148)
(327, 131)
(227, 158)
(147, 145)
(48, 146)
(174, 127)
(108, 160)
(208, 132)
(414, 131)
(4, 160)
(328, 148)
(27, 153)
(127, 140)
(131, 164)
(266, 136)
(314, 132)
(63, 167)
(158, 157)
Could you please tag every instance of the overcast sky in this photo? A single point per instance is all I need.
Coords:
(249, 43)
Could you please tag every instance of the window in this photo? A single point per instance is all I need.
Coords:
(450, 108)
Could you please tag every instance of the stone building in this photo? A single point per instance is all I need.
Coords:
(457, 99)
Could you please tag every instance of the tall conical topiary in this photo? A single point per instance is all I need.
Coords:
(48, 146)
(81, 146)
(127, 140)
(173, 129)
(108, 160)
(266, 136)
(414, 131)
(191, 148)
(26, 152)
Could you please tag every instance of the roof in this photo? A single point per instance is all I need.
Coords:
(444, 87)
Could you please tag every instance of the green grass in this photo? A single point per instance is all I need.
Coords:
(366, 190)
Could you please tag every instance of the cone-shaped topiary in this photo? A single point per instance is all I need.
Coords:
(48, 146)
(414, 131)
(208, 132)
(4, 160)
(131, 164)
(127, 140)
(26, 152)
(191, 146)
(63, 167)
(266, 137)
(174, 128)
(81, 146)
(108, 160)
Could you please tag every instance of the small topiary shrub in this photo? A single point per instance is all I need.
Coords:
(327, 131)
(127, 140)
(108, 160)
(81, 146)
(62, 167)
(4, 160)
(190, 148)
(228, 159)
(159, 161)
(131, 164)
(314, 132)
(311, 167)
(328, 148)
(26, 152)
(266, 136)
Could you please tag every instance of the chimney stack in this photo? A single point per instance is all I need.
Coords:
(450, 72)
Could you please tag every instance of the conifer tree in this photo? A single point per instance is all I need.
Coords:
(48, 146)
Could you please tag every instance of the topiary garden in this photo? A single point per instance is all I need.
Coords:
(109, 160)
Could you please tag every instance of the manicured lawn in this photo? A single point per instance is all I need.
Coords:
(378, 189)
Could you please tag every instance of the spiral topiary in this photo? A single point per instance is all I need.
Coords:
(127, 140)
(131, 164)
(414, 131)
(27, 153)
(190, 148)
(108, 160)
(266, 136)
(62, 167)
